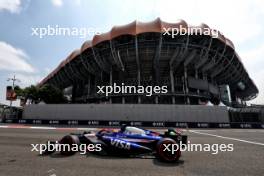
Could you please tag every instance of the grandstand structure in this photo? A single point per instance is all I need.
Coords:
(196, 68)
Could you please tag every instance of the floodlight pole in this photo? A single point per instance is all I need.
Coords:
(14, 79)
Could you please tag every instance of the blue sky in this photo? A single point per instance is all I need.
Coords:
(31, 58)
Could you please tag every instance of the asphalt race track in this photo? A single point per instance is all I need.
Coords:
(247, 158)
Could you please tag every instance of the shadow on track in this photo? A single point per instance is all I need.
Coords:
(155, 160)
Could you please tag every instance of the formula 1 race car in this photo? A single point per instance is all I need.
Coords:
(128, 141)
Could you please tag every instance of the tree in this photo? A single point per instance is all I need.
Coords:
(18, 91)
(51, 94)
(31, 93)
(47, 93)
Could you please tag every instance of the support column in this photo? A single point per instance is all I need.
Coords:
(123, 100)
(138, 82)
(111, 82)
(205, 78)
(95, 87)
(186, 85)
(74, 93)
(101, 83)
(196, 77)
(88, 86)
(121, 76)
(138, 67)
(156, 66)
(172, 85)
(101, 77)
(156, 100)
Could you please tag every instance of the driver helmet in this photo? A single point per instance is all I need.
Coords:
(123, 127)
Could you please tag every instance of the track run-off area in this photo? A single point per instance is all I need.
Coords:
(16, 157)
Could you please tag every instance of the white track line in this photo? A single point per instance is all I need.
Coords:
(71, 128)
(91, 129)
(43, 128)
(3, 126)
(237, 130)
(230, 138)
(47, 127)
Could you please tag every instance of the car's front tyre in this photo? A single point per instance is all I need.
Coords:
(69, 141)
(166, 152)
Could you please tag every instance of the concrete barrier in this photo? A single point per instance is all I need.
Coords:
(128, 112)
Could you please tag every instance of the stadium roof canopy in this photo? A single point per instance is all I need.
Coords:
(229, 70)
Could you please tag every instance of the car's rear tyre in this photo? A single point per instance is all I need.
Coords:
(69, 141)
(103, 132)
(167, 155)
(45, 150)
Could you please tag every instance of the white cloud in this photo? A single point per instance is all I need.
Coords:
(12, 6)
(13, 59)
(238, 21)
(27, 79)
(47, 70)
(259, 81)
(253, 61)
(78, 2)
(57, 3)
(241, 22)
(252, 57)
